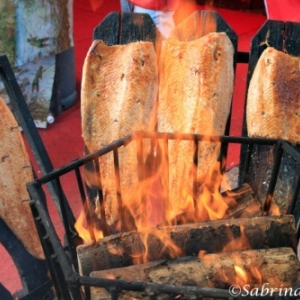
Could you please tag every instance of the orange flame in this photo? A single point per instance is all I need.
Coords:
(146, 203)
(241, 276)
(274, 210)
(83, 231)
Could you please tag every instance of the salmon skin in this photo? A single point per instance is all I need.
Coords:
(15, 172)
(118, 96)
(273, 99)
(195, 92)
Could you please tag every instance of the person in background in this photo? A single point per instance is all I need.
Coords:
(161, 12)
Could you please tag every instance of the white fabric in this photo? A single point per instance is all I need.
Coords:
(126, 6)
(162, 19)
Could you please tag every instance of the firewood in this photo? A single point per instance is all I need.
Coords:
(245, 206)
(240, 202)
(121, 249)
(250, 269)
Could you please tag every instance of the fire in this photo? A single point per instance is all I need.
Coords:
(84, 232)
(241, 276)
(237, 243)
(148, 203)
(251, 276)
(242, 272)
(274, 210)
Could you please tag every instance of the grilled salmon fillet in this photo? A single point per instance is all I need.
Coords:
(118, 97)
(15, 172)
(273, 99)
(195, 91)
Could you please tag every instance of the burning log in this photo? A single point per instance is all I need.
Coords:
(238, 203)
(125, 249)
(245, 206)
(251, 269)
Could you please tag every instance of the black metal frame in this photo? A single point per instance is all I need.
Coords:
(63, 260)
(33, 278)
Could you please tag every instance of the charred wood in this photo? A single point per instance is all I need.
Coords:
(123, 249)
(250, 269)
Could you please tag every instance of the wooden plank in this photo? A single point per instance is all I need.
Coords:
(212, 270)
(119, 29)
(212, 237)
(292, 38)
(269, 34)
(123, 28)
(283, 36)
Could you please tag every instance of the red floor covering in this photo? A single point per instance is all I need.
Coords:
(63, 140)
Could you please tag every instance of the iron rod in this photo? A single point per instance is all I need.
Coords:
(292, 205)
(118, 187)
(247, 163)
(166, 192)
(62, 258)
(195, 184)
(152, 135)
(291, 150)
(274, 177)
(85, 204)
(101, 198)
(161, 288)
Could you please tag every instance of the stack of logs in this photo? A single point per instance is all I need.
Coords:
(244, 238)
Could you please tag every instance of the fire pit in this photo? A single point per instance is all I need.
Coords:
(99, 269)
(63, 261)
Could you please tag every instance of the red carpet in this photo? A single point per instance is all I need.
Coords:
(63, 140)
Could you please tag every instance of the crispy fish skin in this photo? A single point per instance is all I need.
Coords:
(15, 172)
(195, 92)
(273, 99)
(119, 96)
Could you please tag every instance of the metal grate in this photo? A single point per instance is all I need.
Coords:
(62, 259)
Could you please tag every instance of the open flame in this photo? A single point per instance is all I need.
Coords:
(87, 234)
(241, 275)
(153, 214)
(147, 205)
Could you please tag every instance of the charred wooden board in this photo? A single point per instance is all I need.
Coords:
(118, 250)
(123, 28)
(212, 271)
(282, 36)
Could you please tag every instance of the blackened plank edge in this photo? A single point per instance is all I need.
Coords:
(292, 38)
(222, 26)
(123, 28)
(108, 29)
(136, 27)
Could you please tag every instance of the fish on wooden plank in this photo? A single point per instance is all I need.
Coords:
(118, 96)
(15, 172)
